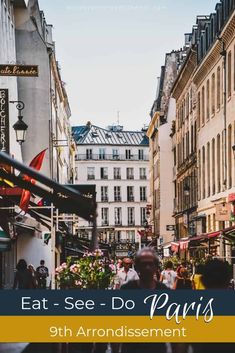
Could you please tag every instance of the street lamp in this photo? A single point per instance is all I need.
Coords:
(20, 126)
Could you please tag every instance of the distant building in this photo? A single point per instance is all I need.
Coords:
(116, 161)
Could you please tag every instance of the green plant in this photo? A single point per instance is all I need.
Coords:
(92, 271)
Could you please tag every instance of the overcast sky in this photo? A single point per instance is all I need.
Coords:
(111, 52)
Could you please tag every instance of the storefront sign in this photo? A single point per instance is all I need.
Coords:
(19, 70)
(223, 212)
(4, 121)
(170, 227)
(166, 252)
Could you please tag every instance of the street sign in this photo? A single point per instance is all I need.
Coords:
(4, 120)
(170, 227)
(19, 70)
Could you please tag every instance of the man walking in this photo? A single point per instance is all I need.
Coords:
(42, 274)
(126, 273)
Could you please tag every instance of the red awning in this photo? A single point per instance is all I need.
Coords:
(212, 234)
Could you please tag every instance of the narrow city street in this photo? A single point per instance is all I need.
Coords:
(117, 152)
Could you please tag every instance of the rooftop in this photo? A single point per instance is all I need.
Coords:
(93, 135)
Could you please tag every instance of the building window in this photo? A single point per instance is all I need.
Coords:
(203, 105)
(229, 74)
(115, 154)
(128, 154)
(191, 100)
(141, 155)
(105, 216)
(199, 109)
(102, 153)
(234, 68)
(207, 100)
(131, 216)
(130, 173)
(104, 194)
(218, 87)
(213, 94)
(143, 173)
(142, 215)
(118, 216)
(199, 175)
(187, 144)
(117, 173)
(218, 165)
(130, 236)
(143, 193)
(229, 156)
(208, 170)
(130, 193)
(90, 173)
(104, 173)
(192, 140)
(174, 154)
(117, 193)
(187, 105)
(203, 173)
(213, 165)
(89, 153)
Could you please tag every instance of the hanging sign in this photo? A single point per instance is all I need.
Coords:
(19, 70)
(4, 120)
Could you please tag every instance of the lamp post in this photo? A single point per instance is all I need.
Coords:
(20, 126)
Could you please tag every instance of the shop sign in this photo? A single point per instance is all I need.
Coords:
(223, 212)
(19, 70)
(166, 252)
(4, 120)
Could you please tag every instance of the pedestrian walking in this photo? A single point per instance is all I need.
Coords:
(196, 278)
(23, 277)
(168, 275)
(34, 275)
(183, 281)
(42, 274)
(146, 264)
(126, 273)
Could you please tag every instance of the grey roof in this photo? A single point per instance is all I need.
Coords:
(94, 135)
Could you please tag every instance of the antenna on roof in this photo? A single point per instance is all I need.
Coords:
(118, 117)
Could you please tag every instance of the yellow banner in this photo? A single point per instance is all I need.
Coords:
(115, 329)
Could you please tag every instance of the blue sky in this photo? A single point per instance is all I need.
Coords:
(111, 52)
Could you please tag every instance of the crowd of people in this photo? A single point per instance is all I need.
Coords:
(145, 272)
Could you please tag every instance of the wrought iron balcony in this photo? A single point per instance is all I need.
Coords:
(110, 157)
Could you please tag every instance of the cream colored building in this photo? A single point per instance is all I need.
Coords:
(161, 157)
(215, 82)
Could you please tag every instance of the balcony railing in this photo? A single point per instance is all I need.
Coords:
(104, 223)
(117, 199)
(131, 223)
(118, 223)
(130, 199)
(104, 199)
(110, 157)
(90, 177)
